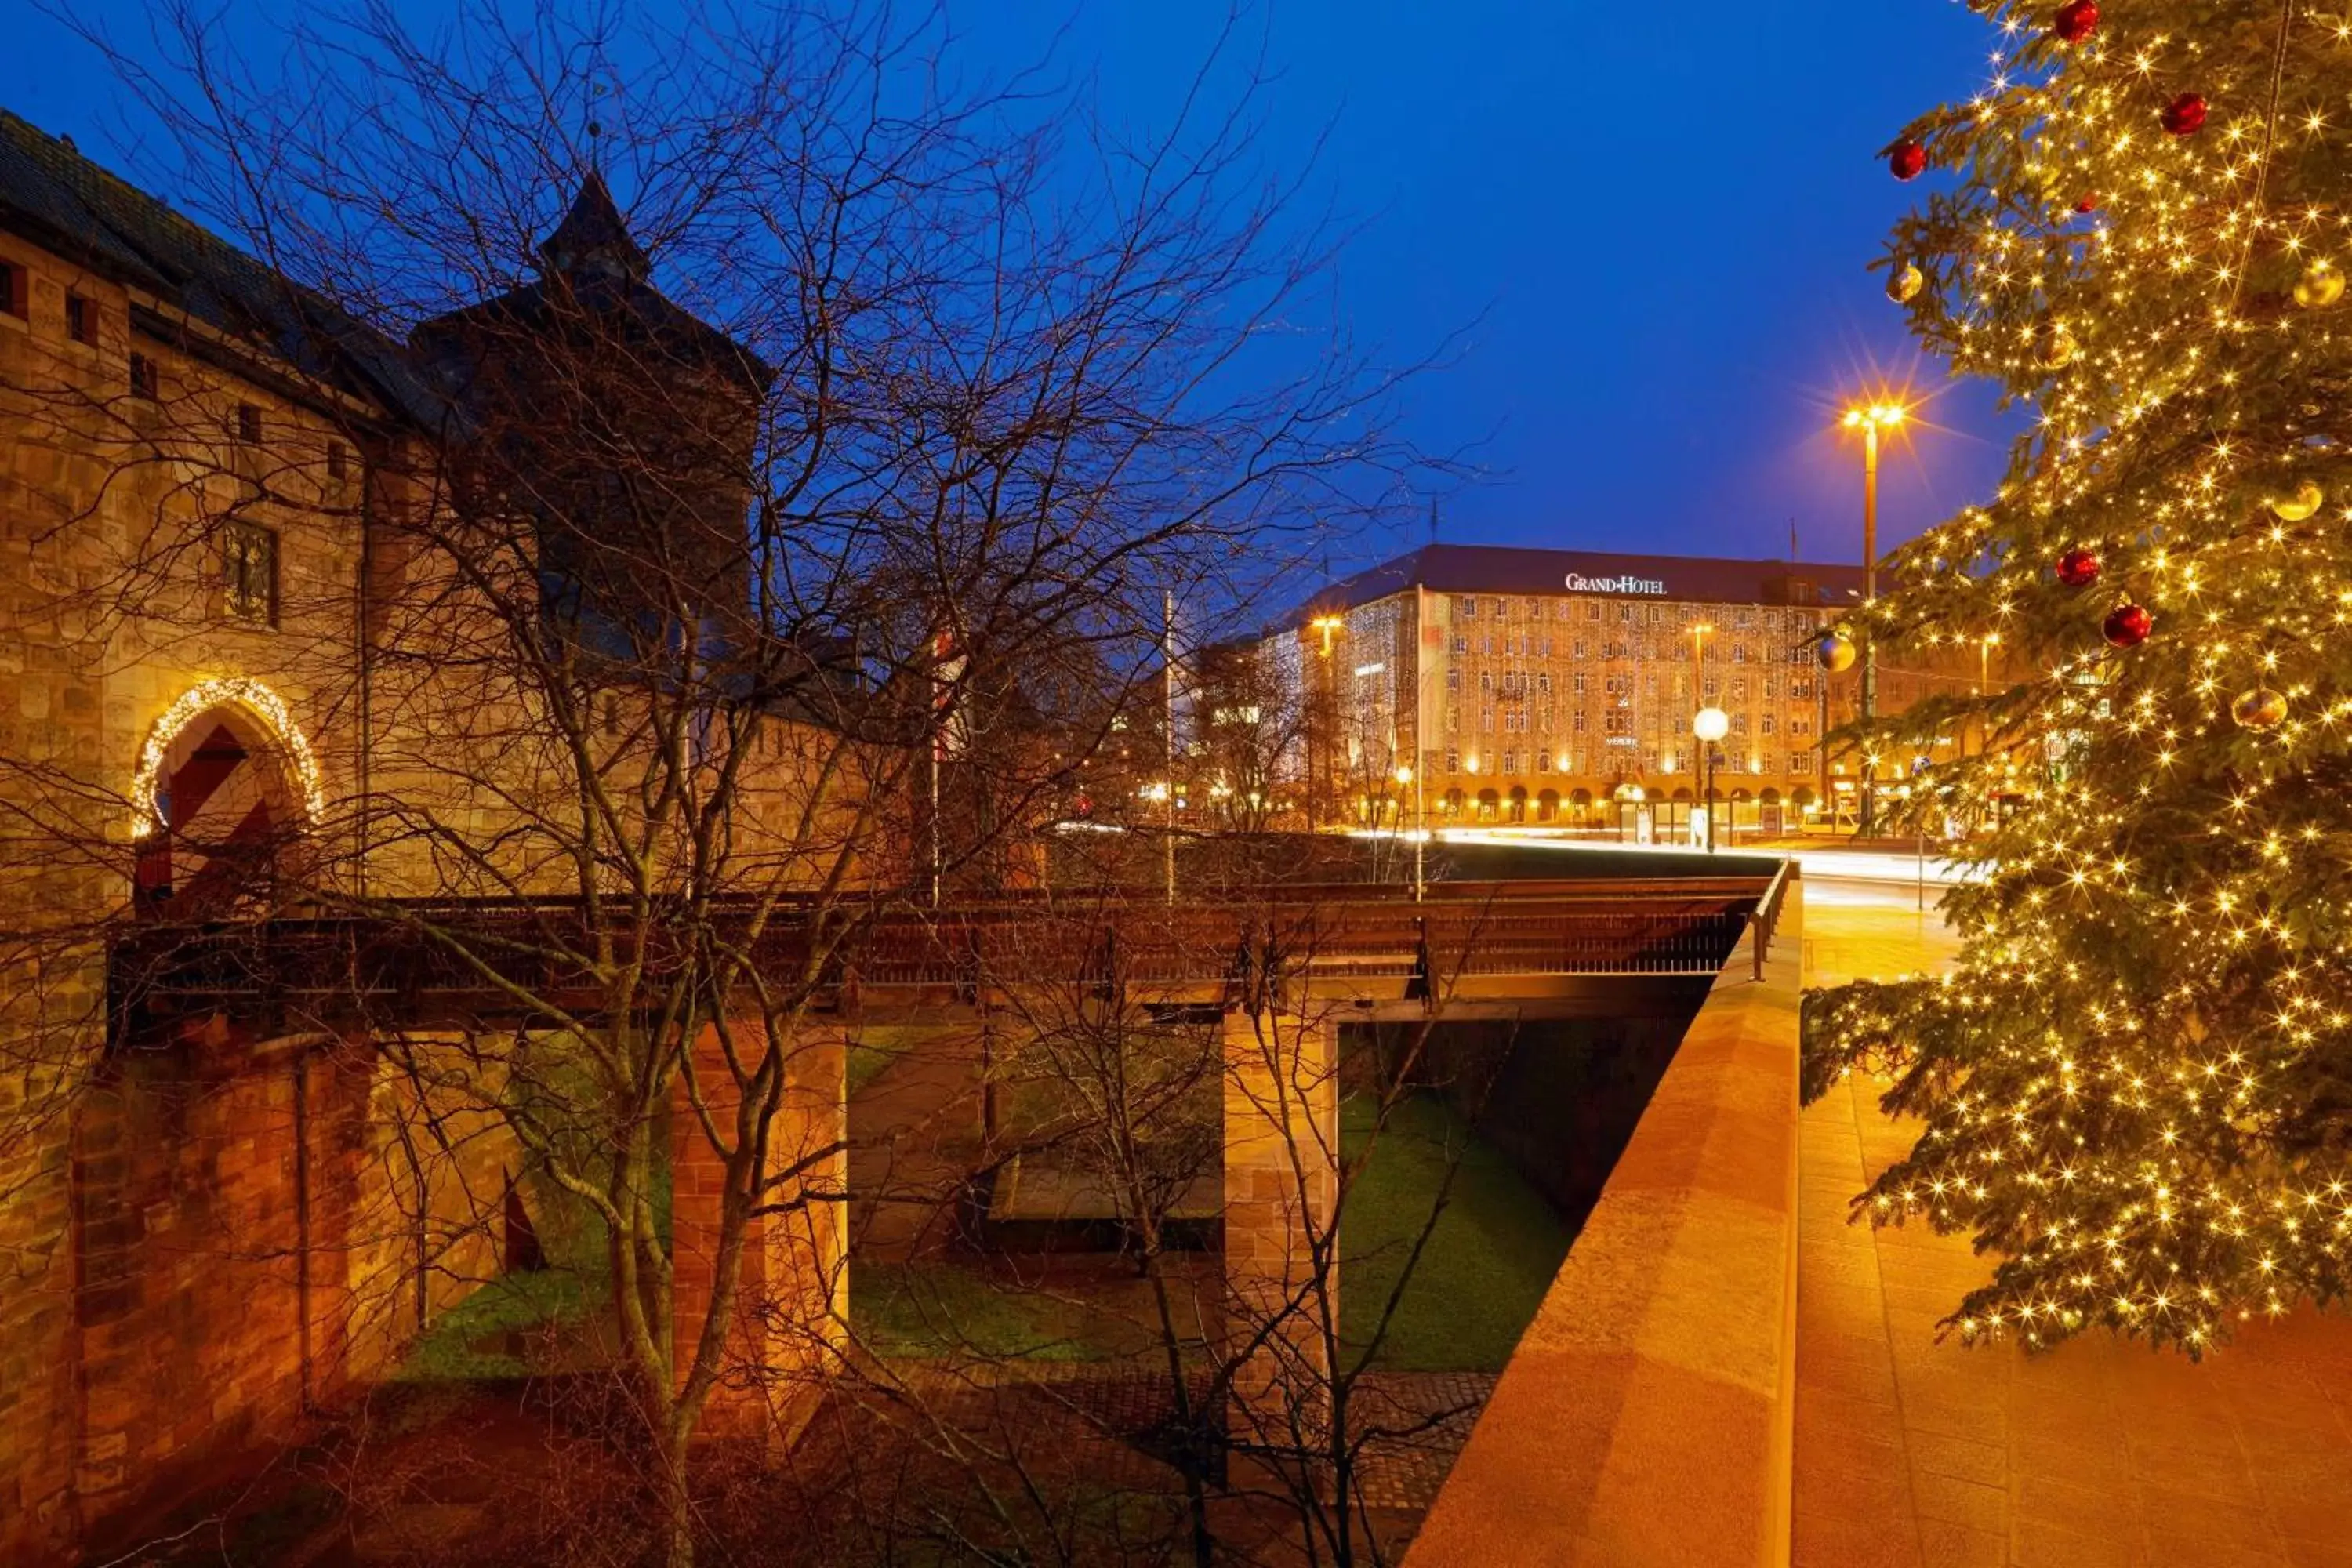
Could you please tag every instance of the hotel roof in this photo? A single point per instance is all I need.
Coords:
(1505, 569)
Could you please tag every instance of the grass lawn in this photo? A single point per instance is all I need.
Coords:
(875, 1047)
(454, 1348)
(937, 1308)
(1487, 1265)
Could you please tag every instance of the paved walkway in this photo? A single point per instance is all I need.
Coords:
(1920, 1455)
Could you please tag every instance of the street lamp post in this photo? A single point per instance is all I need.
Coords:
(1319, 738)
(1710, 724)
(1406, 775)
(1870, 420)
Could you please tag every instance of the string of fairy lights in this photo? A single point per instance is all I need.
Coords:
(2136, 1082)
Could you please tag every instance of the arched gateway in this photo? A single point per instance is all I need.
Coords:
(224, 782)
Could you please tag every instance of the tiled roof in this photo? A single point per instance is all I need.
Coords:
(83, 211)
(593, 234)
(590, 267)
(1502, 569)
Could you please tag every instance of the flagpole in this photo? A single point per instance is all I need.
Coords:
(1168, 673)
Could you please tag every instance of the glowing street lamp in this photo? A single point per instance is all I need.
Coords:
(1710, 724)
(1870, 420)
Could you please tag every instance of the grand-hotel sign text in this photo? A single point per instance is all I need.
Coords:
(1579, 583)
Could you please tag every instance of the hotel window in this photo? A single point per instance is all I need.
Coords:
(1712, 686)
(1800, 761)
(1453, 761)
(81, 319)
(1562, 613)
(1801, 688)
(143, 377)
(1739, 653)
(1453, 678)
(15, 286)
(1576, 683)
(1624, 613)
(1453, 717)
(1576, 725)
(1739, 691)
(1767, 723)
(248, 424)
(1460, 644)
(1593, 609)
(1577, 650)
(1740, 723)
(1543, 681)
(1543, 761)
(1543, 718)
(1466, 609)
(249, 572)
(1486, 720)
(1485, 680)
(1494, 608)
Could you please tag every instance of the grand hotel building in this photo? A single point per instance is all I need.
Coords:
(1560, 686)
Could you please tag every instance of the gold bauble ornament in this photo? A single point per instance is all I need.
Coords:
(2259, 708)
(1905, 285)
(1836, 652)
(2300, 505)
(2053, 346)
(2319, 287)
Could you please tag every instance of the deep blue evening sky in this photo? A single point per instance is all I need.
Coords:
(1659, 217)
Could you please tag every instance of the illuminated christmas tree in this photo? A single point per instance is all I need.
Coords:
(2137, 1081)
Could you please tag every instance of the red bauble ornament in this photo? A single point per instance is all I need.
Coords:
(2185, 115)
(2075, 20)
(2127, 625)
(2078, 568)
(2088, 203)
(1907, 159)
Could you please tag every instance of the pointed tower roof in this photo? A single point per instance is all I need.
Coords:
(593, 277)
(593, 238)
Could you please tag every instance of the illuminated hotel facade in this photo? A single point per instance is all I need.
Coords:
(1475, 683)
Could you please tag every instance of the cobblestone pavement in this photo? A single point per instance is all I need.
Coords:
(1916, 1454)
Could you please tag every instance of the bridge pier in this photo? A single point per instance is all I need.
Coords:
(790, 1314)
(1281, 1259)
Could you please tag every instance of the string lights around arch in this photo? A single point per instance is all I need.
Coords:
(238, 691)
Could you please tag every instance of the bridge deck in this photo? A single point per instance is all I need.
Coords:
(417, 963)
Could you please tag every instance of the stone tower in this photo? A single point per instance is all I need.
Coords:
(619, 426)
